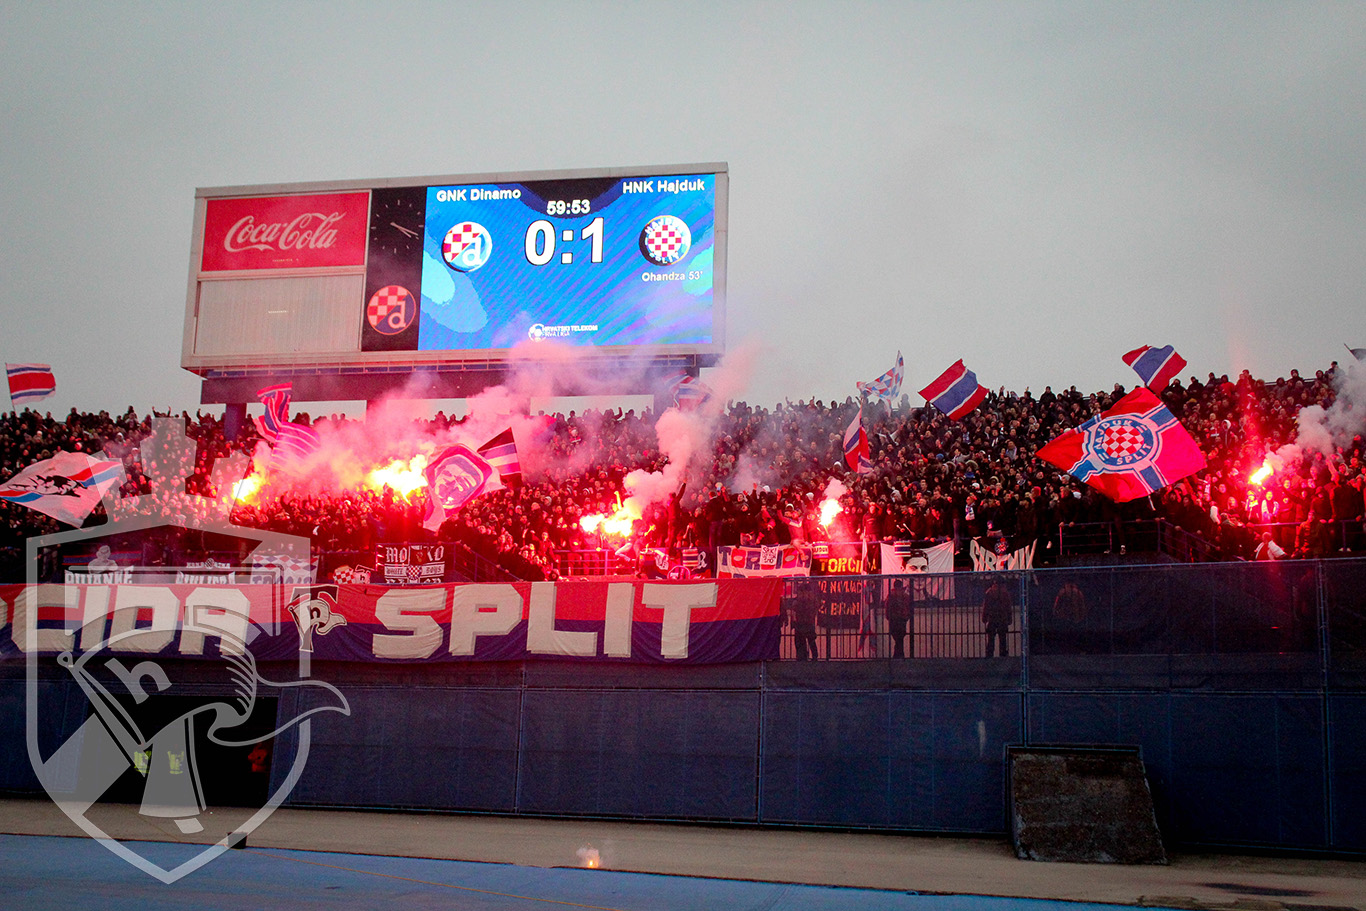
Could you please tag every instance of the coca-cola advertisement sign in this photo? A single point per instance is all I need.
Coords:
(285, 232)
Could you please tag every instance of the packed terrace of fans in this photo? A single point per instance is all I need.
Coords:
(769, 469)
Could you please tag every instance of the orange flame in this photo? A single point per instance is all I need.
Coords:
(1261, 474)
(830, 507)
(616, 525)
(400, 476)
(245, 490)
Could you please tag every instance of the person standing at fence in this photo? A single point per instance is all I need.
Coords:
(899, 617)
(998, 610)
(804, 609)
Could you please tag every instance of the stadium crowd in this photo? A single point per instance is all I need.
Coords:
(932, 479)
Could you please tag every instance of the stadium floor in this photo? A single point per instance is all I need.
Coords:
(346, 859)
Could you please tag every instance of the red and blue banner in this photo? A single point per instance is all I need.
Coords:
(276, 399)
(640, 622)
(856, 449)
(501, 453)
(29, 383)
(955, 392)
(1157, 367)
(1130, 451)
(762, 560)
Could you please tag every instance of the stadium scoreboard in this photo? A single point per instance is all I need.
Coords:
(449, 271)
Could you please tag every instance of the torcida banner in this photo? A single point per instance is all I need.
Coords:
(645, 622)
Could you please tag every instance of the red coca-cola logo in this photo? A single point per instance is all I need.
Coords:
(313, 230)
(285, 232)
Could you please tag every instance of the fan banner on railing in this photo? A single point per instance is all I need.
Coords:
(643, 622)
(778, 560)
(984, 560)
(907, 558)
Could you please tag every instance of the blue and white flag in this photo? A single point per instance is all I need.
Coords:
(67, 486)
(887, 386)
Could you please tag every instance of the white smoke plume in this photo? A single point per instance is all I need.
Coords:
(683, 435)
(1321, 430)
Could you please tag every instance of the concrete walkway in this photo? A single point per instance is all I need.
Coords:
(902, 863)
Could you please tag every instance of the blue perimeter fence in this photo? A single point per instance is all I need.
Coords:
(1243, 685)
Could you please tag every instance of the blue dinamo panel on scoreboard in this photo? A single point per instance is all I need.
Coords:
(600, 261)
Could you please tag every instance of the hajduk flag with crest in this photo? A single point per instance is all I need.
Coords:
(276, 400)
(955, 392)
(455, 475)
(856, 451)
(886, 386)
(67, 486)
(29, 383)
(1130, 451)
(1157, 367)
(501, 453)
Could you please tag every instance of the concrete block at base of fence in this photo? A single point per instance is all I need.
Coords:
(1082, 804)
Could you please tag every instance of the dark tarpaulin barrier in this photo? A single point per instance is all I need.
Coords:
(1224, 769)
(1347, 769)
(438, 748)
(642, 753)
(914, 760)
(1344, 595)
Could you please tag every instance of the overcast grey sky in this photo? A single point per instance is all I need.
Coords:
(1034, 187)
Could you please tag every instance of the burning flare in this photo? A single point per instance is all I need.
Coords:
(830, 507)
(1261, 474)
(616, 525)
(400, 476)
(245, 490)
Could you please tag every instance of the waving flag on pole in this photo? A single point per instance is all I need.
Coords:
(501, 453)
(66, 486)
(689, 393)
(295, 443)
(276, 400)
(29, 383)
(455, 476)
(886, 386)
(1157, 367)
(856, 449)
(1130, 451)
(955, 392)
